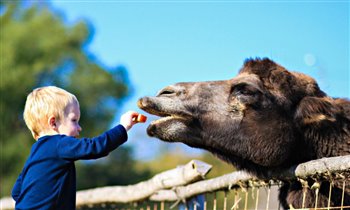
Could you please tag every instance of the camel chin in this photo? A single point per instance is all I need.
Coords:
(167, 128)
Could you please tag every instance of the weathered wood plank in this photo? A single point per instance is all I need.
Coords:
(303, 170)
(180, 177)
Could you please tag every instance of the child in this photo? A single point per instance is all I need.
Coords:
(48, 180)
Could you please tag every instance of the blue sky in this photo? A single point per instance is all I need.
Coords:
(164, 42)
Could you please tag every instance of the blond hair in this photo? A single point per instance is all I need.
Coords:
(44, 102)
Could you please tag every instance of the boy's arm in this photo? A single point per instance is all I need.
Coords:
(92, 148)
(16, 191)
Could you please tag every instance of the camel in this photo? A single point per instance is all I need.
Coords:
(266, 118)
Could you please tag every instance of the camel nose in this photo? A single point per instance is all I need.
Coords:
(172, 90)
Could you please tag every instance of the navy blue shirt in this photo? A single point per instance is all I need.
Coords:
(48, 180)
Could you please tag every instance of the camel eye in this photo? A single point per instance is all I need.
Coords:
(243, 89)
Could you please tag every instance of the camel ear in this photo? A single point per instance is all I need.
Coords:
(315, 111)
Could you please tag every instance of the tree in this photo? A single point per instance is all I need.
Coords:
(38, 48)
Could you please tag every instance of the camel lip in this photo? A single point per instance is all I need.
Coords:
(149, 107)
(164, 118)
(155, 126)
(167, 118)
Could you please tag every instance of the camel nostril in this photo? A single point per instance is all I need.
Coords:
(167, 91)
(172, 90)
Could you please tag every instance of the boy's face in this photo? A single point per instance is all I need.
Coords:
(70, 124)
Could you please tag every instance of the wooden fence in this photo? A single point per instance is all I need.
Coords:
(186, 188)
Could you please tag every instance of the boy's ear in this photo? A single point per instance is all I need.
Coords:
(52, 122)
(315, 111)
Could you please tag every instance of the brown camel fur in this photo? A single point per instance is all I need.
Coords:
(264, 118)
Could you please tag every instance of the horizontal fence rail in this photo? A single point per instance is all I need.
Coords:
(185, 189)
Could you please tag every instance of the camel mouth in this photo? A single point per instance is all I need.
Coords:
(166, 119)
(166, 128)
(166, 113)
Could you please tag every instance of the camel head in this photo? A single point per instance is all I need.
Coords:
(253, 120)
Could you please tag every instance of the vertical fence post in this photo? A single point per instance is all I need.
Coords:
(268, 196)
(225, 200)
(342, 196)
(257, 198)
(330, 195)
(237, 200)
(316, 187)
(246, 198)
(214, 203)
(305, 186)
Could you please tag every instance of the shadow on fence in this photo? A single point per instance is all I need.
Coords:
(183, 188)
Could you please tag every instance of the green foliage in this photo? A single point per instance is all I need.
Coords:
(38, 48)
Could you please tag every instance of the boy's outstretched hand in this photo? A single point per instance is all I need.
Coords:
(130, 118)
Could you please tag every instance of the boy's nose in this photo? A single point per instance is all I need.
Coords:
(79, 128)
